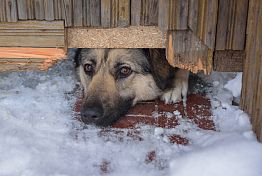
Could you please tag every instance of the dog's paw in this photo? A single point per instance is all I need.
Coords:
(179, 90)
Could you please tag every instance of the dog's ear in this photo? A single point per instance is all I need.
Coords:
(162, 72)
(77, 59)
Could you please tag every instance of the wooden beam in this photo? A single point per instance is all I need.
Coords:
(32, 34)
(20, 59)
(229, 60)
(130, 37)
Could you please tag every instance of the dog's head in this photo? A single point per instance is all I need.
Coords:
(115, 79)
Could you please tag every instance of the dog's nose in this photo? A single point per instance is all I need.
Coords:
(91, 114)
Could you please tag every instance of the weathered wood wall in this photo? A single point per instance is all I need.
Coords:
(251, 100)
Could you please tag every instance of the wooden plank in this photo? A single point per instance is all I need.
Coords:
(11, 10)
(149, 12)
(30, 9)
(32, 34)
(163, 16)
(178, 15)
(95, 14)
(231, 26)
(222, 23)
(49, 10)
(136, 12)
(123, 13)
(193, 14)
(130, 37)
(21, 8)
(105, 13)
(86, 13)
(229, 60)
(21, 59)
(252, 85)
(2, 11)
(185, 50)
(68, 12)
(240, 21)
(78, 13)
(59, 11)
(114, 13)
(39, 9)
(207, 20)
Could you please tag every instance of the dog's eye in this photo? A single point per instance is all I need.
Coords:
(89, 69)
(124, 72)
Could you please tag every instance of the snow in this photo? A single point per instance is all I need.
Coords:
(39, 136)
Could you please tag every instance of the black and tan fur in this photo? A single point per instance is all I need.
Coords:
(116, 79)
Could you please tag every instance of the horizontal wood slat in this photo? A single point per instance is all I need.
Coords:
(32, 34)
(20, 59)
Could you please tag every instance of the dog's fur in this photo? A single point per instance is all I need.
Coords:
(119, 78)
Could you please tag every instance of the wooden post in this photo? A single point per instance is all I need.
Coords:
(251, 99)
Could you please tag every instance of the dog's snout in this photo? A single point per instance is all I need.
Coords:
(91, 114)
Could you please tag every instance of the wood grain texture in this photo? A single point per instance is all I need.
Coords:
(251, 96)
(185, 50)
(231, 25)
(106, 13)
(130, 37)
(49, 10)
(149, 15)
(95, 13)
(30, 9)
(2, 11)
(32, 34)
(11, 10)
(163, 14)
(193, 15)
(39, 9)
(68, 11)
(22, 9)
(21, 59)
(136, 10)
(229, 60)
(86, 13)
(78, 13)
(123, 13)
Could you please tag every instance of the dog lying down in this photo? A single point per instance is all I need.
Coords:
(116, 79)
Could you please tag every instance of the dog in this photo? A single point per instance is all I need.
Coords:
(114, 80)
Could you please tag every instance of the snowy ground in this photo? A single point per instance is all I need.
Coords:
(39, 136)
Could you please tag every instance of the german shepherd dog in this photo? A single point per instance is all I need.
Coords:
(114, 80)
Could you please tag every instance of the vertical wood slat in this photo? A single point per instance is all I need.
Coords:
(136, 12)
(149, 16)
(22, 8)
(105, 13)
(78, 12)
(231, 25)
(11, 10)
(49, 10)
(173, 14)
(163, 14)
(68, 12)
(39, 9)
(95, 13)
(2, 12)
(123, 13)
(251, 96)
(207, 20)
(59, 10)
(86, 12)
(30, 9)
(193, 14)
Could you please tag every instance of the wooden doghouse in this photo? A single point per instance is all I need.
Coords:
(199, 35)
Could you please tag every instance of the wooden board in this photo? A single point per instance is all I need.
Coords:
(20, 59)
(185, 50)
(131, 37)
(32, 34)
(231, 24)
(229, 60)
(251, 98)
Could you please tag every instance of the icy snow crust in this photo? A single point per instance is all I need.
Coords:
(39, 136)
